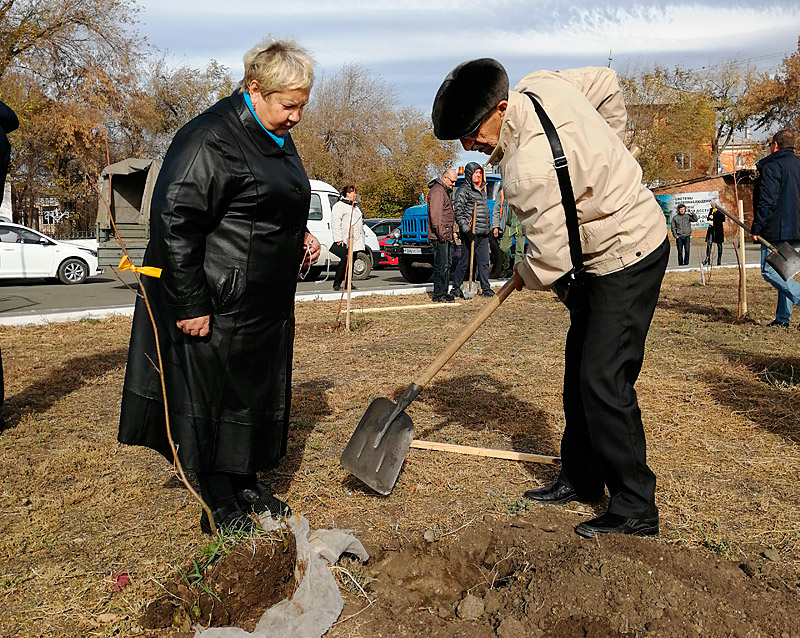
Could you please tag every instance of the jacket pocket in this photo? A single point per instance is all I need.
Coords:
(228, 290)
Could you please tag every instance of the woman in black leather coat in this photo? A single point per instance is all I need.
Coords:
(228, 228)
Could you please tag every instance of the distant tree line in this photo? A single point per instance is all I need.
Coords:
(674, 111)
(88, 92)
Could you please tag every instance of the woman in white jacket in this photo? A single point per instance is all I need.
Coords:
(346, 214)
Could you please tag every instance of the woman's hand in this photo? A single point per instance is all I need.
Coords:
(199, 326)
(313, 248)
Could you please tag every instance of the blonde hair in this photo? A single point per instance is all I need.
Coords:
(277, 65)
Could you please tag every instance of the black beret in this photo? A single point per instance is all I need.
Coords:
(466, 96)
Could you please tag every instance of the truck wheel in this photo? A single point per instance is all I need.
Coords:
(362, 266)
(413, 273)
(73, 271)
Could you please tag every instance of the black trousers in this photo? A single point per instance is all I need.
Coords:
(603, 441)
(341, 267)
(441, 268)
(481, 264)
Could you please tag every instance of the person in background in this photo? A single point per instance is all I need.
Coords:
(681, 226)
(505, 224)
(441, 220)
(715, 234)
(471, 197)
(344, 215)
(228, 229)
(776, 216)
(8, 123)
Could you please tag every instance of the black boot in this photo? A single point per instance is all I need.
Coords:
(260, 499)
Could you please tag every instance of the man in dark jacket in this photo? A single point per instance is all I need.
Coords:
(440, 232)
(471, 197)
(8, 123)
(776, 216)
(681, 226)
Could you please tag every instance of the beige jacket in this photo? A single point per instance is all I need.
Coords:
(620, 220)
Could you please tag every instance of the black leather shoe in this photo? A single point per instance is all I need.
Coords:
(457, 292)
(777, 324)
(610, 523)
(488, 293)
(337, 286)
(260, 499)
(557, 494)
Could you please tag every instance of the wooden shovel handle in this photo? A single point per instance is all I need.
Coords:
(738, 223)
(472, 243)
(466, 332)
(488, 452)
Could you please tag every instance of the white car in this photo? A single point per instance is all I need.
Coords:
(28, 254)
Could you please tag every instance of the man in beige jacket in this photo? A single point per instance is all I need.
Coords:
(625, 251)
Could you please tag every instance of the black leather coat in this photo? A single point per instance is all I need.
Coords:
(228, 217)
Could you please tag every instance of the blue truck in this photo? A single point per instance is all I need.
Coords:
(414, 251)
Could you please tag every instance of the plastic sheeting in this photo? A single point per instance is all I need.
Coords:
(316, 603)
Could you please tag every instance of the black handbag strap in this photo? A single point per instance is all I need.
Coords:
(565, 184)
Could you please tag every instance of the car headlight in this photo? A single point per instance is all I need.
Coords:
(396, 233)
(93, 253)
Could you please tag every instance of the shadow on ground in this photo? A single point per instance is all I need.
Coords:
(309, 407)
(769, 397)
(60, 382)
(715, 313)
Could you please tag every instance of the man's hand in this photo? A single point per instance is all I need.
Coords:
(517, 280)
(496, 231)
(313, 248)
(754, 237)
(197, 327)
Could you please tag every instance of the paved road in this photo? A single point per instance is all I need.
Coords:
(37, 301)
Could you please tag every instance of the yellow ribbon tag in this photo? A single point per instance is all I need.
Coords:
(150, 271)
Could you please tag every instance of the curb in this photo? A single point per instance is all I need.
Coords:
(36, 319)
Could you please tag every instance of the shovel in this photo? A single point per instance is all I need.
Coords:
(468, 292)
(784, 259)
(379, 444)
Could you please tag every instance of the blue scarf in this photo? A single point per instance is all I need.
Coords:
(280, 141)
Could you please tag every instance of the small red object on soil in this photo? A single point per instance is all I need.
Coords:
(121, 579)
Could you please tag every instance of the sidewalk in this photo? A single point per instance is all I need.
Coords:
(696, 255)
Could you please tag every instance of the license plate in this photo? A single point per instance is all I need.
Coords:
(412, 251)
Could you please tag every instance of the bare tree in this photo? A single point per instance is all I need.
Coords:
(352, 131)
(776, 98)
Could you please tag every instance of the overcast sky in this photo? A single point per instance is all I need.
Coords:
(412, 44)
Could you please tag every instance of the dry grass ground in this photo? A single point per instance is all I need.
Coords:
(719, 396)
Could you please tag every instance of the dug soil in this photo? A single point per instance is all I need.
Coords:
(532, 577)
(236, 590)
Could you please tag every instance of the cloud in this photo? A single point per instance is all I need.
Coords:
(413, 44)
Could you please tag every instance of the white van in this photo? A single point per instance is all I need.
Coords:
(323, 197)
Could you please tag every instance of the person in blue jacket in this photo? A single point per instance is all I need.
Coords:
(776, 216)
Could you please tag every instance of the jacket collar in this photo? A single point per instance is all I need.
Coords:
(259, 136)
(514, 119)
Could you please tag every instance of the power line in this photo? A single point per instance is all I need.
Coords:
(753, 59)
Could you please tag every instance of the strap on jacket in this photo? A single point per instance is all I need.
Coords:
(565, 184)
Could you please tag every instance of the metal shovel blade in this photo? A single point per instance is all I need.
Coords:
(377, 460)
(785, 260)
